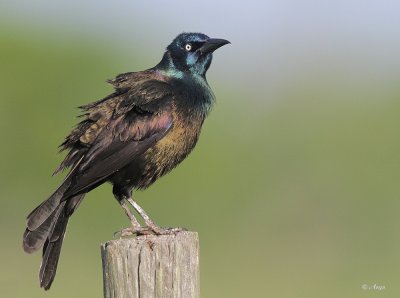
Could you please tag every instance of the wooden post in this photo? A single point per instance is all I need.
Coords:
(152, 266)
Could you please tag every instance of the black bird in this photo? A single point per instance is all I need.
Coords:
(130, 138)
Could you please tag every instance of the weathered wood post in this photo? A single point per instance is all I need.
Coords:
(152, 266)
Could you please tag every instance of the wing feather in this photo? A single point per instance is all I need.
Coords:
(117, 129)
(112, 152)
(137, 91)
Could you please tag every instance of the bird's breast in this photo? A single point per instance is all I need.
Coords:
(172, 148)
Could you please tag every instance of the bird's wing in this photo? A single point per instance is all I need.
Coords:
(117, 146)
(116, 129)
(139, 90)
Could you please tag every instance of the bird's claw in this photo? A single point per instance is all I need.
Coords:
(166, 231)
(153, 230)
(132, 231)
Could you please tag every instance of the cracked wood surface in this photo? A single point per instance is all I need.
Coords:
(152, 266)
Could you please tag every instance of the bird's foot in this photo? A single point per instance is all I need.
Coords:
(161, 231)
(165, 231)
(133, 231)
(153, 230)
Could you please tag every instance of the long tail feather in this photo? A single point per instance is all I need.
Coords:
(52, 246)
(46, 226)
(41, 213)
(34, 240)
(51, 251)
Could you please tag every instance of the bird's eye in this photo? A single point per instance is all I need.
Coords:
(188, 47)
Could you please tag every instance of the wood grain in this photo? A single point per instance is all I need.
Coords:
(152, 266)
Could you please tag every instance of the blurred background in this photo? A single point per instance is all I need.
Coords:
(294, 185)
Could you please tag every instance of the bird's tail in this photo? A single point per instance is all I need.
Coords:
(46, 226)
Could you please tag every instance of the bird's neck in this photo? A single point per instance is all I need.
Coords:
(198, 93)
(194, 86)
(173, 69)
(167, 67)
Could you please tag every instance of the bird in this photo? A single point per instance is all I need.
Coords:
(130, 138)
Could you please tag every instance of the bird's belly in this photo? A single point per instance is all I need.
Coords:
(167, 153)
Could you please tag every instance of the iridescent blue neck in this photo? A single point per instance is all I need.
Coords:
(200, 92)
(178, 67)
(168, 68)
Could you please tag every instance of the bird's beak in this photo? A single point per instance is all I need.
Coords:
(212, 44)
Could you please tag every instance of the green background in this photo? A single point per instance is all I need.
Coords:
(293, 187)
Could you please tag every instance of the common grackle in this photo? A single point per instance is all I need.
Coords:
(130, 138)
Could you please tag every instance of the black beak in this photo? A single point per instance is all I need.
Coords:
(212, 44)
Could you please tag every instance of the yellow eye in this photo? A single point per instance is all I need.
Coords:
(188, 47)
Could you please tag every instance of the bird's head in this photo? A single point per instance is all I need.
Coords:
(191, 52)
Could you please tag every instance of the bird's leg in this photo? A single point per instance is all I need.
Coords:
(132, 218)
(136, 228)
(149, 223)
(152, 226)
